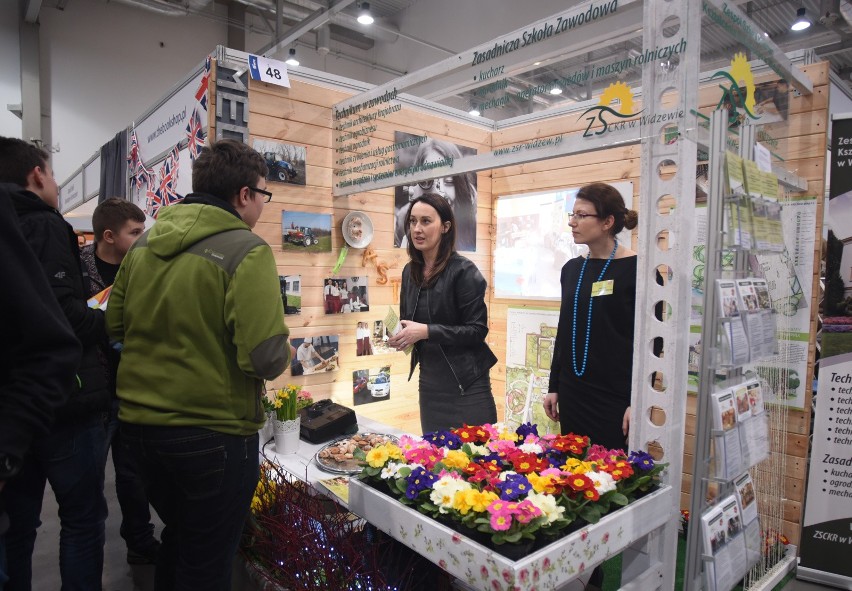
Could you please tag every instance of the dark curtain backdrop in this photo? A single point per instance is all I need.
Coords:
(114, 167)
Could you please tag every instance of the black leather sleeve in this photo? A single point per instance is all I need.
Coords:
(469, 293)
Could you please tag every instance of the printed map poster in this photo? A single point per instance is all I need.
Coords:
(531, 337)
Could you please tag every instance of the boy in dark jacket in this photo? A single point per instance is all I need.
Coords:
(70, 456)
(38, 354)
(117, 224)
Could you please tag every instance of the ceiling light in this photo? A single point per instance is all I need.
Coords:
(474, 112)
(364, 16)
(555, 90)
(802, 22)
(537, 64)
(291, 59)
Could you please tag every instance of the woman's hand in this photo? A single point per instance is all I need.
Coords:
(625, 422)
(411, 333)
(551, 406)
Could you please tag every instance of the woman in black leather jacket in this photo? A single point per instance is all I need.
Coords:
(442, 307)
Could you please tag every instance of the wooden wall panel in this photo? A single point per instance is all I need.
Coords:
(302, 115)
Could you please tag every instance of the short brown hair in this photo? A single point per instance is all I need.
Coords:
(18, 158)
(225, 167)
(112, 214)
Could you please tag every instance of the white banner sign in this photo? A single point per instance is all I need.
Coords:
(268, 70)
(163, 129)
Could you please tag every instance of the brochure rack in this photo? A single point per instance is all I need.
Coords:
(732, 425)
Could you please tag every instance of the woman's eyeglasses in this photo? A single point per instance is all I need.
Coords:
(262, 192)
(579, 216)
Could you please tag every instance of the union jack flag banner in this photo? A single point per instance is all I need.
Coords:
(194, 135)
(139, 172)
(201, 93)
(153, 201)
(133, 152)
(168, 178)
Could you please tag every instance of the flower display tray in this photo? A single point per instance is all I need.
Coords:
(481, 568)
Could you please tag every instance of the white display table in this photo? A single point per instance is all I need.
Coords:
(564, 565)
(301, 464)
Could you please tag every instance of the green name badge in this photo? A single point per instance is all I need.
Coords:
(602, 288)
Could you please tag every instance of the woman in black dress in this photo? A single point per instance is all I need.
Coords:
(592, 368)
(442, 307)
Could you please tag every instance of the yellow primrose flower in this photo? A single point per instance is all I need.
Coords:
(394, 452)
(507, 435)
(377, 457)
(575, 466)
(542, 484)
(456, 459)
(465, 501)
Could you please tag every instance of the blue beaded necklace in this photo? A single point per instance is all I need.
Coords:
(579, 373)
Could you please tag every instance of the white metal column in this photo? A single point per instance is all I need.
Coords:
(665, 248)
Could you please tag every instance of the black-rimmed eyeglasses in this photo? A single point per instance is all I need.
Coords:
(262, 192)
(579, 216)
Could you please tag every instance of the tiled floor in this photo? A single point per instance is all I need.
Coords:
(119, 576)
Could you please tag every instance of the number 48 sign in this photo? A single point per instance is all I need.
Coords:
(268, 70)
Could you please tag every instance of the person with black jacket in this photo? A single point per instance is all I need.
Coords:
(38, 354)
(443, 315)
(117, 224)
(70, 456)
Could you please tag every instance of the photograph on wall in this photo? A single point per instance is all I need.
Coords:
(314, 355)
(459, 190)
(343, 295)
(363, 342)
(371, 385)
(304, 231)
(534, 241)
(379, 338)
(286, 162)
(291, 293)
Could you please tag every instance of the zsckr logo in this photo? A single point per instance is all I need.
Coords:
(738, 96)
(608, 116)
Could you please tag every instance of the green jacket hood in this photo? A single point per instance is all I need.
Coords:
(182, 225)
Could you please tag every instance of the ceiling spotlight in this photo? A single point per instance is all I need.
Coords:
(802, 22)
(291, 59)
(474, 112)
(555, 90)
(364, 16)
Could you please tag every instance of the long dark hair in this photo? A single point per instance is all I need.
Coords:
(609, 202)
(446, 247)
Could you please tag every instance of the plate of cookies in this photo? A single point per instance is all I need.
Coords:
(338, 456)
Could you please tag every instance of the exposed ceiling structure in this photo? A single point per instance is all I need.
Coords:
(314, 24)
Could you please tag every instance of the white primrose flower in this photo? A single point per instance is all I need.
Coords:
(445, 489)
(478, 450)
(603, 481)
(504, 475)
(390, 470)
(533, 448)
(547, 504)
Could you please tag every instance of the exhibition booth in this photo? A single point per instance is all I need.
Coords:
(346, 157)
